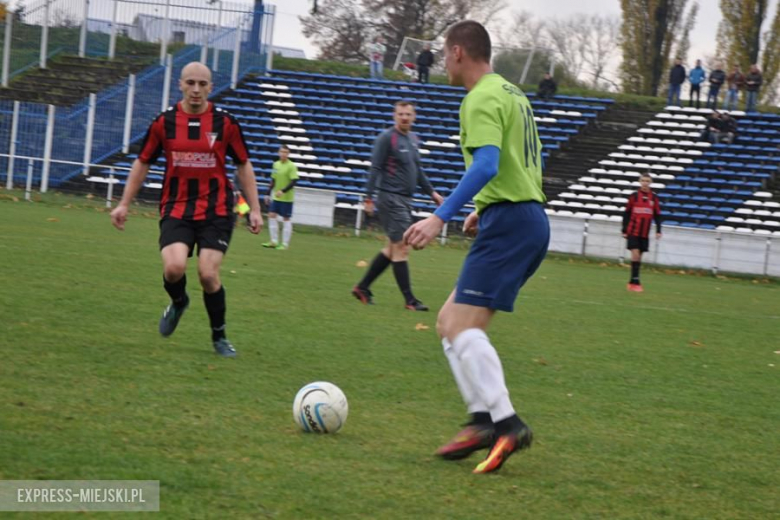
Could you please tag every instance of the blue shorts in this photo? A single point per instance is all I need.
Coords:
(511, 244)
(283, 209)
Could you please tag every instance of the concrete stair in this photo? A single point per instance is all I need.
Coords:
(69, 79)
(594, 143)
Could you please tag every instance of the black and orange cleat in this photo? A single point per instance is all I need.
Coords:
(503, 447)
(364, 295)
(473, 437)
(416, 305)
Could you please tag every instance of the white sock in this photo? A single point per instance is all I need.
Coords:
(480, 362)
(287, 232)
(473, 402)
(273, 228)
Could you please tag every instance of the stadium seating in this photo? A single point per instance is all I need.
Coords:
(330, 122)
(701, 185)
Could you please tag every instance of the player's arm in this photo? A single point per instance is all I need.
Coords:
(293, 181)
(135, 180)
(627, 214)
(485, 131)
(378, 160)
(425, 184)
(151, 148)
(290, 186)
(482, 170)
(245, 174)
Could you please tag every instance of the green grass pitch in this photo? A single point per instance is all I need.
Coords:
(654, 405)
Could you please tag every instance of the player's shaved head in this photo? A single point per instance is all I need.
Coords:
(472, 37)
(195, 68)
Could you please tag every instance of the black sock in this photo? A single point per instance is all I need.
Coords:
(481, 418)
(635, 272)
(508, 425)
(401, 272)
(377, 267)
(177, 291)
(215, 306)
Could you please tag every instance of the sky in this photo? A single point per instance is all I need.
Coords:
(288, 29)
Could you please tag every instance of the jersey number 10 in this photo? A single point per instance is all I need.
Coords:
(531, 135)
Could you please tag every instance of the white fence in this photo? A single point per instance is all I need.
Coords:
(679, 247)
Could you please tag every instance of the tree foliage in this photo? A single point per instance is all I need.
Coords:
(741, 42)
(651, 29)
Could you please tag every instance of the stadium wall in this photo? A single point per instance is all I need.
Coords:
(679, 247)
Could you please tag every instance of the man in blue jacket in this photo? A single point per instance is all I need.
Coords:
(696, 77)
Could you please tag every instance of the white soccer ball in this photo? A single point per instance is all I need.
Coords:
(320, 407)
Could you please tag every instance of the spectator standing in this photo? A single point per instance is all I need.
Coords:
(376, 52)
(676, 79)
(752, 84)
(547, 88)
(696, 77)
(424, 63)
(735, 82)
(717, 78)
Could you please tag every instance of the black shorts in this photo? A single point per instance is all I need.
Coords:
(208, 234)
(637, 243)
(395, 214)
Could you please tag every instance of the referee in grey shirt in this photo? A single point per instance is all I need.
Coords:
(395, 175)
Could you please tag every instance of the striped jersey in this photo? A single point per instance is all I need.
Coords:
(196, 185)
(641, 210)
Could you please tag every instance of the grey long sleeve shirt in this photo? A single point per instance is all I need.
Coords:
(395, 165)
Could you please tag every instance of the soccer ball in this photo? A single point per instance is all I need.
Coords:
(320, 407)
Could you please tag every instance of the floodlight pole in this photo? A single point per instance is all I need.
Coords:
(83, 34)
(359, 216)
(269, 49)
(236, 55)
(45, 35)
(166, 30)
(47, 150)
(9, 183)
(128, 113)
(167, 82)
(90, 132)
(9, 23)
(215, 63)
(112, 40)
(204, 50)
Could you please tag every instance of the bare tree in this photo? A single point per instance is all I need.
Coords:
(684, 43)
(601, 49)
(584, 46)
(569, 38)
(425, 19)
(340, 29)
(524, 32)
(62, 19)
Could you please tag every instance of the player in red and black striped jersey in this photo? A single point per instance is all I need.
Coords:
(196, 205)
(642, 209)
